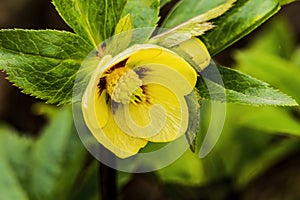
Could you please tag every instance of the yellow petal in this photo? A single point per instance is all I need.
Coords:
(111, 136)
(101, 108)
(99, 119)
(165, 76)
(176, 111)
(163, 56)
(91, 99)
(94, 103)
(164, 120)
(138, 55)
(194, 50)
(140, 120)
(121, 144)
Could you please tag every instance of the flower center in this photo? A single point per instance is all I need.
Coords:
(124, 86)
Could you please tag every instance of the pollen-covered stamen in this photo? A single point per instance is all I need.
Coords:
(124, 86)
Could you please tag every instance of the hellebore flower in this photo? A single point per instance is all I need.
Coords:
(139, 96)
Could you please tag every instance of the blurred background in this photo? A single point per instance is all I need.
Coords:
(256, 157)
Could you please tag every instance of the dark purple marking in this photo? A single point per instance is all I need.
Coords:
(141, 71)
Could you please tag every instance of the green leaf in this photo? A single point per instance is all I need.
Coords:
(271, 120)
(13, 151)
(93, 20)
(42, 63)
(181, 33)
(245, 151)
(239, 21)
(240, 88)
(266, 61)
(122, 37)
(268, 67)
(144, 14)
(253, 137)
(193, 27)
(9, 186)
(271, 58)
(42, 168)
(183, 12)
(89, 183)
(125, 24)
(193, 102)
(187, 170)
(57, 158)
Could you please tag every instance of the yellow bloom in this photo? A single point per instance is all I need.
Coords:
(139, 96)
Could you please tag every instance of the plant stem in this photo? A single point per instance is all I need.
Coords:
(108, 180)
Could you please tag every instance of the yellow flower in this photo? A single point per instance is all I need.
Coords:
(139, 96)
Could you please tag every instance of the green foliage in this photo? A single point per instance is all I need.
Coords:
(144, 13)
(13, 152)
(125, 24)
(193, 101)
(93, 20)
(186, 170)
(182, 11)
(88, 188)
(253, 138)
(240, 88)
(276, 67)
(275, 70)
(277, 39)
(52, 58)
(45, 168)
(42, 63)
(122, 38)
(272, 120)
(246, 151)
(245, 16)
(270, 62)
(196, 26)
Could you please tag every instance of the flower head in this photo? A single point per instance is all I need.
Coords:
(138, 96)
